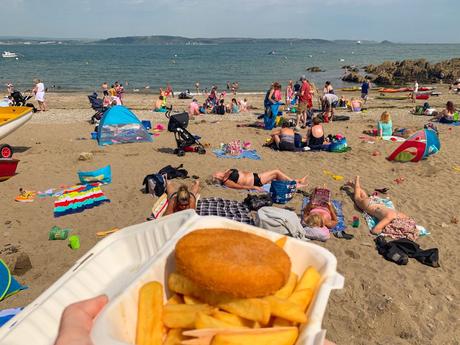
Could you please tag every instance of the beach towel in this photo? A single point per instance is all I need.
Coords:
(230, 209)
(270, 118)
(372, 221)
(78, 199)
(265, 187)
(341, 226)
(393, 138)
(7, 314)
(249, 154)
(450, 124)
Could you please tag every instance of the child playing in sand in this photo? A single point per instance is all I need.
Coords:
(384, 125)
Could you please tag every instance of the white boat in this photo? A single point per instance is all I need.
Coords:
(7, 54)
(358, 42)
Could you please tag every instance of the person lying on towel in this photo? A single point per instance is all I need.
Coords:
(238, 179)
(391, 223)
(181, 198)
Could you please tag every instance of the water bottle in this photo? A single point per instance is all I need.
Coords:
(355, 223)
(456, 116)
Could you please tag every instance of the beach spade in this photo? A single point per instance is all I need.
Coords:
(333, 176)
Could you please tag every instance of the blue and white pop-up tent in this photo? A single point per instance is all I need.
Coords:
(119, 125)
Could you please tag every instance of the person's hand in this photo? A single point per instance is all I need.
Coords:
(259, 189)
(77, 321)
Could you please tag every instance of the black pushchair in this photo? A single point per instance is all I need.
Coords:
(19, 100)
(186, 141)
(98, 105)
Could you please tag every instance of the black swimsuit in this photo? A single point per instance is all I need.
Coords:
(235, 176)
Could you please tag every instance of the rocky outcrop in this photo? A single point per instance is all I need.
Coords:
(314, 69)
(407, 71)
(353, 77)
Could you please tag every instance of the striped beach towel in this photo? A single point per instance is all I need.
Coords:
(79, 198)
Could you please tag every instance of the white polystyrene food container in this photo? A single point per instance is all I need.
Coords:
(122, 262)
(116, 325)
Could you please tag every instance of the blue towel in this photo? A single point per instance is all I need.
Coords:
(451, 124)
(269, 121)
(7, 314)
(341, 226)
(249, 154)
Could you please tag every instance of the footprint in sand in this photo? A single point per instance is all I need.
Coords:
(352, 254)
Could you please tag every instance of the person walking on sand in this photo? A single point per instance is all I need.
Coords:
(197, 87)
(414, 93)
(365, 86)
(39, 92)
(305, 102)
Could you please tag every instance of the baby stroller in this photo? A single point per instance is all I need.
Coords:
(186, 142)
(19, 100)
(98, 105)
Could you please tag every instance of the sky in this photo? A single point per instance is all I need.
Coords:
(417, 21)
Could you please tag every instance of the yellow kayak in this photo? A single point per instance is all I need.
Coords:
(11, 118)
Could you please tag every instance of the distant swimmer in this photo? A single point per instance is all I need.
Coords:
(272, 53)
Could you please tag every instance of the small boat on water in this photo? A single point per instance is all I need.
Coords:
(11, 118)
(7, 54)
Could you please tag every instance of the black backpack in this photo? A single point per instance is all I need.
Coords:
(172, 173)
(154, 184)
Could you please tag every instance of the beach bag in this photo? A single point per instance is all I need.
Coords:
(103, 175)
(282, 191)
(339, 145)
(172, 173)
(257, 201)
(154, 184)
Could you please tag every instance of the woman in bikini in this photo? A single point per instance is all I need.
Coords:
(391, 223)
(181, 199)
(238, 179)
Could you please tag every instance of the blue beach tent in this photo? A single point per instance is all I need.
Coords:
(119, 125)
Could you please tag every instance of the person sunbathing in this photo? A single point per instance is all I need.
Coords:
(283, 138)
(447, 115)
(315, 135)
(181, 198)
(319, 215)
(356, 105)
(391, 223)
(237, 179)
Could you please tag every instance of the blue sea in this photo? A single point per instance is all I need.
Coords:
(84, 67)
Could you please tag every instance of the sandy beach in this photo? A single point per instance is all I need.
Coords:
(382, 303)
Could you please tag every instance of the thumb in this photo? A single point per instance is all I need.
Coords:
(93, 306)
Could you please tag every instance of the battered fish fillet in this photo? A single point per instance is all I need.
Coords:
(232, 262)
